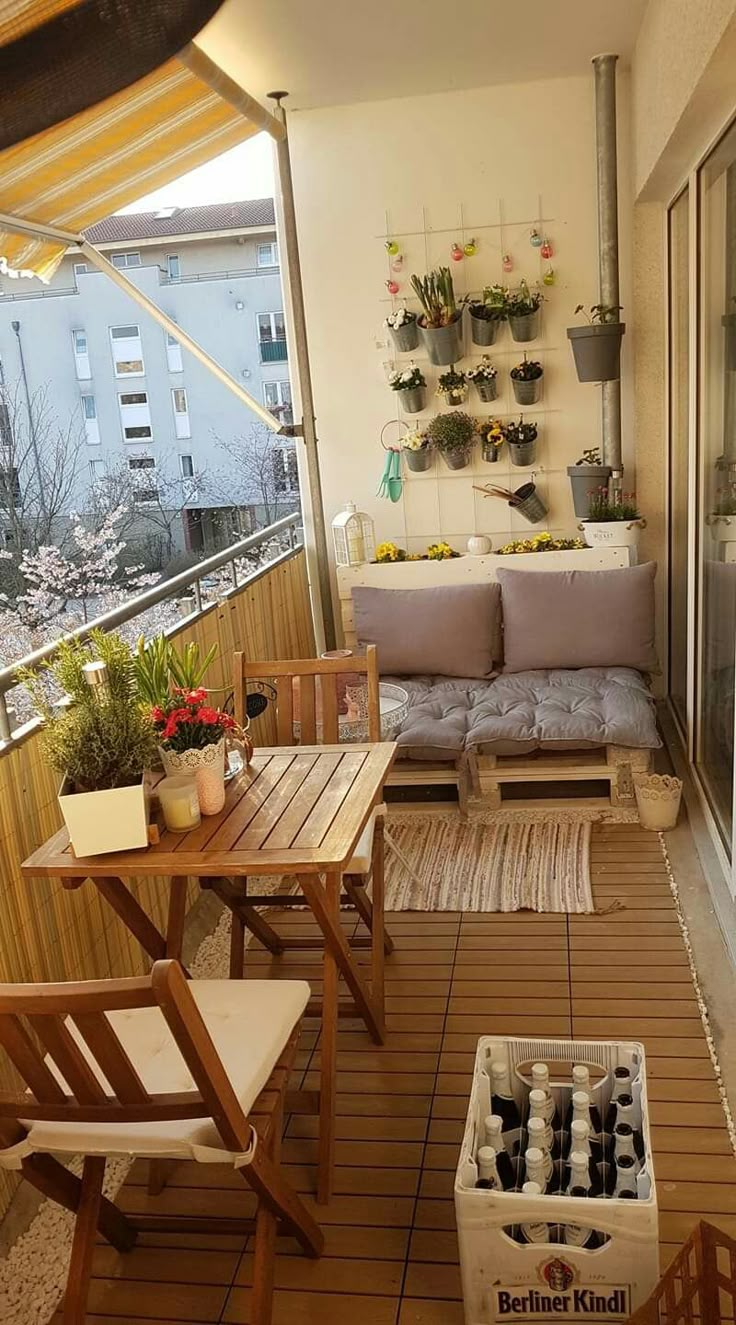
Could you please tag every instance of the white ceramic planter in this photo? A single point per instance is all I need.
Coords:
(612, 533)
(207, 766)
(657, 800)
(104, 821)
(722, 528)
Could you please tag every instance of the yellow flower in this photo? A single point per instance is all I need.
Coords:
(387, 552)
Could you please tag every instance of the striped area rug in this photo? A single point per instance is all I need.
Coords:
(511, 865)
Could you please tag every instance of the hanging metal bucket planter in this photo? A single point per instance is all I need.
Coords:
(527, 501)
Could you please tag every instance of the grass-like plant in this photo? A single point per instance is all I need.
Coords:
(436, 294)
(159, 666)
(603, 507)
(451, 432)
(101, 741)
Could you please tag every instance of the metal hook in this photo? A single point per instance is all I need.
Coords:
(393, 423)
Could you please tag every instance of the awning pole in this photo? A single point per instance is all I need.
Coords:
(205, 69)
(301, 347)
(604, 67)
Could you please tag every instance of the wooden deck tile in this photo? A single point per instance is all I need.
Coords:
(391, 1254)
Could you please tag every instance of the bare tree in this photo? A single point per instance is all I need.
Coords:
(153, 494)
(261, 471)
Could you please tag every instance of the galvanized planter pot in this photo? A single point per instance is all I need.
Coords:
(527, 393)
(458, 458)
(412, 399)
(444, 345)
(524, 327)
(487, 390)
(484, 330)
(405, 337)
(419, 461)
(583, 480)
(457, 397)
(490, 452)
(523, 453)
(527, 501)
(597, 351)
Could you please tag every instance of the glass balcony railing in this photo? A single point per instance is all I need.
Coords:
(273, 351)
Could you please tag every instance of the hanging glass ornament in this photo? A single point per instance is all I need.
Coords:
(470, 248)
(392, 287)
(546, 249)
(391, 246)
(456, 253)
(549, 276)
(397, 262)
(507, 262)
(535, 239)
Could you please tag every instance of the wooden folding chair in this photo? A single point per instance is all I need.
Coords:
(314, 728)
(160, 1068)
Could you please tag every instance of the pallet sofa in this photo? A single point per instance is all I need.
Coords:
(525, 713)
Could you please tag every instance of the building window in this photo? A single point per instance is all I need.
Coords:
(271, 337)
(285, 472)
(277, 398)
(10, 489)
(121, 260)
(173, 266)
(81, 355)
(127, 351)
(186, 465)
(97, 471)
(173, 354)
(79, 269)
(89, 414)
(135, 415)
(143, 478)
(181, 412)
(267, 255)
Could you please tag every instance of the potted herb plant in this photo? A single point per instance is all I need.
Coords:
(483, 377)
(522, 442)
(596, 347)
(404, 330)
(722, 520)
(410, 386)
(492, 438)
(522, 311)
(526, 379)
(453, 387)
(452, 434)
(417, 451)
(440, 322)
(587, 473)
(99, 739)
(612, 521)
(487, 314)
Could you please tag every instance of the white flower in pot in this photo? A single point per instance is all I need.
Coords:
(410, 385)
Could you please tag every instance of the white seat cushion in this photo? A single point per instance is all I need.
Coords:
(360, 863)
(250, 1022)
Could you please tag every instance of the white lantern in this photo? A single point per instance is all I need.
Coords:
(352, 533)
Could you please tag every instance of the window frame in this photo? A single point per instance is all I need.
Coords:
(127, 253)
(273, 245)
(173, 257)
(136, 372)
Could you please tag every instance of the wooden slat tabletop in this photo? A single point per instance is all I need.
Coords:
(297, 810)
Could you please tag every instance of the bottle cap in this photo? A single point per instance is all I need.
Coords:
(535, 1156)
(540, 1072)
(537, 1097)
(493, 1123)
(622, 1073)
(535, 1126)
(580, 1099)
(579, 1129)
(499, 1069)
(577, 1191)
(580, 1074)
(627, 1196)
(625, 1162)
(623, 1129)
(486, 1155)
(578, 1159)
(624, 1101)
(531, 1189)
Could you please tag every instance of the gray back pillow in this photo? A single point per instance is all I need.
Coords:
(578, 618)
(447, 631)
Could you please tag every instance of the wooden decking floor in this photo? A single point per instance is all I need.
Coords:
(391, 1254)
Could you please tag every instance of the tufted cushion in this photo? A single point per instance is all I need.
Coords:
(250, 1022)
(515, 714)
(448, 631)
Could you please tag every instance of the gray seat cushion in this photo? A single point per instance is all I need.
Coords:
(525, 711)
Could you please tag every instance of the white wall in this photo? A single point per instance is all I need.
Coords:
(453, 154)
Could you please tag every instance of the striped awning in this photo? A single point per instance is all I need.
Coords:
(113, 152)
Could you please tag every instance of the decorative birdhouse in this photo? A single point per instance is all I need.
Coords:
(353, 537)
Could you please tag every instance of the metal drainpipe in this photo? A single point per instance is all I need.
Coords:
(308, 430)
(604, 67)
(31, 420)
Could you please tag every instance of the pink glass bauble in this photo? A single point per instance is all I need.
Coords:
(456, 253)
(392, 287)
(507, 262)
(546, 249)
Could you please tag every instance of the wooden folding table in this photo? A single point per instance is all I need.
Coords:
(297, 810)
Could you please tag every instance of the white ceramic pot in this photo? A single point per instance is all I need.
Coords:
(612, 533)
(479, 545)
(722, 528)
(657, 800)
(103, 821)
(208, 767)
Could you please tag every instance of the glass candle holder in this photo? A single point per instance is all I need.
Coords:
(179, 802)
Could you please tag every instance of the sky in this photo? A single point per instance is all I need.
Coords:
(244, 172)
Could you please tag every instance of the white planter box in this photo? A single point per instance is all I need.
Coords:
(103, 821)
(722, 528)
(612, 533)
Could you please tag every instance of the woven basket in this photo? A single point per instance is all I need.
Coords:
(657, 800)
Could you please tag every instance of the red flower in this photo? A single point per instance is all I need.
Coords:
(209, 716)
(157, 714)
(173, 720)
(195, 696)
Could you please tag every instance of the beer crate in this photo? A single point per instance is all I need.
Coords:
(505, 1280)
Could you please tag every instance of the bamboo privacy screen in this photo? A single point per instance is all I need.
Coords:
(48, 933)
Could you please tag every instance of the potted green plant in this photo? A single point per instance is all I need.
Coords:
(452, 434)
(440, 322)
(483, 376)
(596, 346)
(452, 386)
(722, 519)
(612, 521)
(417, 451)
(100, 740)
(526, 380)
(404, 330)
(487, 314)
(522, 311)
(410, 386)
(492, 438)
(522, 442)
(587, 473)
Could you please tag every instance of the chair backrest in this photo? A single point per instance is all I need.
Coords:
(315, 727)
(30, 1014)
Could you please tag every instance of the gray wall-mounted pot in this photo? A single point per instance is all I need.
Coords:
(523, 453)
(457, 459)
(405, 337)
(419, 461)
(412, 399)
(597, 351)
(444, 345)
(524, 327)
(527, 501)
(583, 480)
(487, 390)
(527, 393)
(484, 330)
